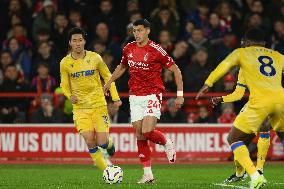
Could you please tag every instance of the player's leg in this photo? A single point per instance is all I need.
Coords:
(149, 132)
(247, 122)
(84, 124)
(144, 154)
(236, 140)
(263, 144)
(95, 153)
(102, 125)
(240, 173)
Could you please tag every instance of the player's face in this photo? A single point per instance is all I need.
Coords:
(140, 33)
(77, 43)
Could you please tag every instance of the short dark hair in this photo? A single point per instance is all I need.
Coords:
(143, 22)
(77, 30)
(255, 34)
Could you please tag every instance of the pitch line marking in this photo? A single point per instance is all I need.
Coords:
(229, 185)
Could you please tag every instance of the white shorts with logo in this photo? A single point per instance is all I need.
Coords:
(141, 106)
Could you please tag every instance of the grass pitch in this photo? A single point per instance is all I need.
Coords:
(167, 176)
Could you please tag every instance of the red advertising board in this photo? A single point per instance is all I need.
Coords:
(61, 140)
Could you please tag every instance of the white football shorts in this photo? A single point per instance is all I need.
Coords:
(141, 106)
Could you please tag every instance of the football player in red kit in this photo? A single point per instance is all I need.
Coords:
(145, 60)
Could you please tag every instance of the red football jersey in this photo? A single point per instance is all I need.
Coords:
(145, 67)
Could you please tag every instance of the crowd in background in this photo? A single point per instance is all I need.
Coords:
(197, 35)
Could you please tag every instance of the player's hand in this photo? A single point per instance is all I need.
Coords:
(179, 102)
(117, 104)
(106, 88)
(215, 101)
(201, 92)
(73, 99)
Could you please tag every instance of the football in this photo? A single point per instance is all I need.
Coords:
(113, 175)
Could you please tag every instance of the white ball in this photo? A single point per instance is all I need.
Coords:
(113, 174)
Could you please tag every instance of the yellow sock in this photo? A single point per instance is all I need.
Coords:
(107, 145)
(98, 158)
(262, 149)
(239, 169)
(241, 154)
(110, 143)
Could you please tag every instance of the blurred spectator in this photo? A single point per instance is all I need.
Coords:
(43, 82)
(180, 55)
(228, 115)
(188, 29)
(98, 46)
(5, 59)
(172, 115)
(219, 51)
(164, 20)
(199, 17)
(116, 115)
(228, 19)
(204, 115)
(214, 32)
(44, 55)
(60, 34)
(165, 41)
(254, 20)
(109, 60)
(45, 19)
(277, 37)
(13, 109)
(20, 57)
(129, 35)
(197, 40)
(134, 15)
(229, 83)
(19, 32)
(257, 7)
(196, 73)
(102, 34)
(75, 18)
(107, 16)
(47, 113)
(39, 5)
(43, 36)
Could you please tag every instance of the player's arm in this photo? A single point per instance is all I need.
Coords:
(65, 80)
(119, 70)
(106, 75)
(169, 63)
(236, 95)
(229, 62)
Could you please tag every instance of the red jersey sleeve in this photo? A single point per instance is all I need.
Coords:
(165, 59)
(124, 55)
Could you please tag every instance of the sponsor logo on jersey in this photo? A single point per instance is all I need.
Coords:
(138, 65)
(82, 73)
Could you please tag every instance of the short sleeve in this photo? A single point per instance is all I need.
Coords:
(167, 61)
(124, 56)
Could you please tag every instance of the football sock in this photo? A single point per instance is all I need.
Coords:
(144, 154)
(262, 149)
(98, 158)
(239, 169)
(241, 154)
(147, 171)
(156, 137)
(108, 144)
